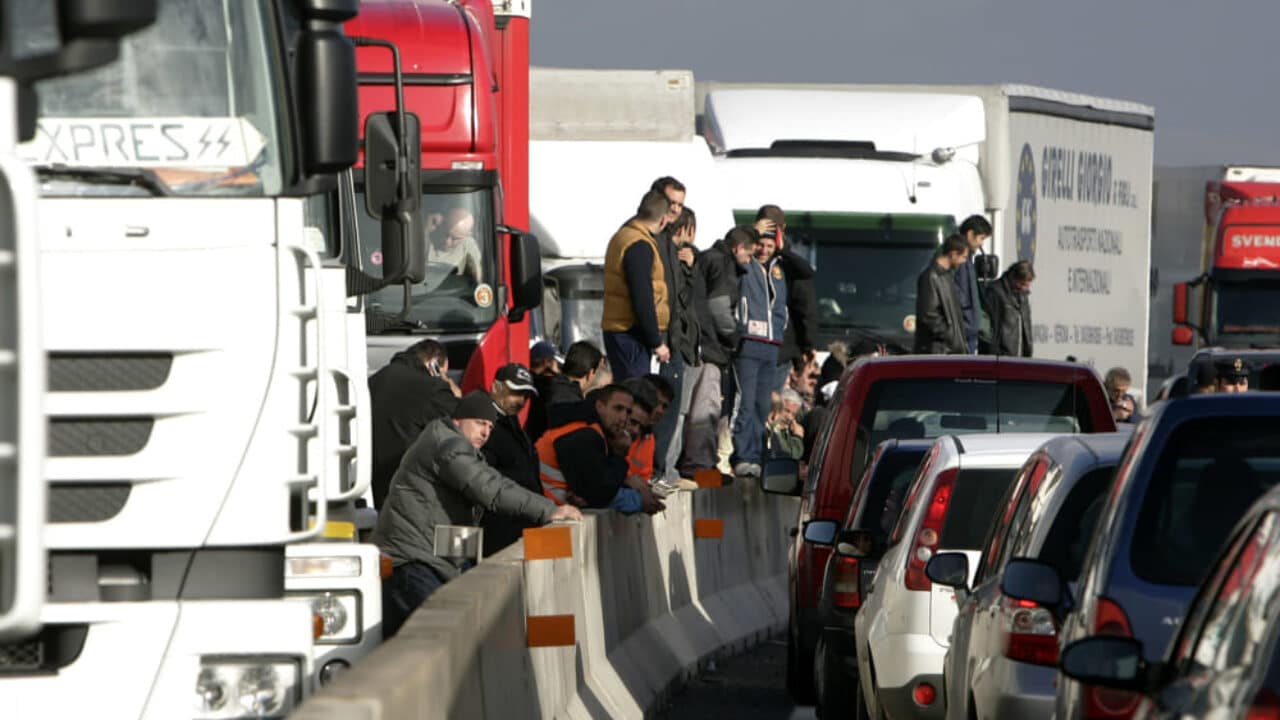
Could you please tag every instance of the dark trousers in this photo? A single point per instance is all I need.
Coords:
(665, 432)
(408, 587)
(628, 357)
(754, 372)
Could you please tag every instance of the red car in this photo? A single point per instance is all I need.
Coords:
(919, 396)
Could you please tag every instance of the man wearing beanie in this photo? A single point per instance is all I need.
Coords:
(443, 480)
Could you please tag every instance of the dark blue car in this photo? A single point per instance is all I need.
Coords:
(1190, 472)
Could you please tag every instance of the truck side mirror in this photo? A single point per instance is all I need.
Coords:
(526, 274)
(986, 267)
(327, 86)
(1183, 335)
(392, 194)
(1180, 304)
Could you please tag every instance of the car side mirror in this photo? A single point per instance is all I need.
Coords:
(781, 476)
(526, 274)
(821, 532)
(950, 569)
(856, 543)
(986, 267)
(1039, 582)
(1108, 661)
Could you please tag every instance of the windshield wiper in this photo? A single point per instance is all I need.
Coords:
(144, 178)
(381, 322)
(869, 332)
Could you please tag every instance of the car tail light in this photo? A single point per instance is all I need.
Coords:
(1265, 706)
(1104, 703)
(1031, 636)
(926, 540)
(847, 581)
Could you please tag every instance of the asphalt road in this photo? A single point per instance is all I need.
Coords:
(750, 686)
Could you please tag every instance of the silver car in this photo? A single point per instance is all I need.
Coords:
(1003, 657)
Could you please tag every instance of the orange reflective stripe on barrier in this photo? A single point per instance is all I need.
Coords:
(550, 630)
(707, 528)
(709, 478)
(548, 543)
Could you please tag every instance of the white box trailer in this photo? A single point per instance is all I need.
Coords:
(1065, 179)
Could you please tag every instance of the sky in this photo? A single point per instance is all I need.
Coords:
(1208, 68)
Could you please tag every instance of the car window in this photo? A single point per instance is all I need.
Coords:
(973, 506)
(995, 543)
(904, 512)
(887, 489)
(1209, 472)
(931, 407)
(820, 446)
(1237, 621)
(1072, 529)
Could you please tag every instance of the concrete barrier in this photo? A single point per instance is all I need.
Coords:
(650, 599)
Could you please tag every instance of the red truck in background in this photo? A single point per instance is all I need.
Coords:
(1233, 302)
(465, 70)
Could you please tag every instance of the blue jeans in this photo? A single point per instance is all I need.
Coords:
(628, 357)
(408, 587)
(754, 371)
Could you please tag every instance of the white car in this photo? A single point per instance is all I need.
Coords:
(904, 627)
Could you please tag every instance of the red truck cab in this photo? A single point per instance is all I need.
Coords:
(1239, 288)
(464, 71)
(919, 396)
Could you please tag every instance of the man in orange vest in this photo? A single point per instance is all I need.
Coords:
(637, 311)
(584, 460)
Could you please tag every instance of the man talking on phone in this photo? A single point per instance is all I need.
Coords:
(406, 394)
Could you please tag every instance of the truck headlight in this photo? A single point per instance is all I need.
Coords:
(340, 613)
(247, 687)
(337, 566)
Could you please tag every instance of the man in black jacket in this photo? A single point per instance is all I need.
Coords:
(510, 451)
(409, 392)
(799, 338)
(444, 480)
(718, 269)
(939, 319)
(584, 369)
(1009, 306)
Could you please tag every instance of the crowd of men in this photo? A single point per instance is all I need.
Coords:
(708, 365)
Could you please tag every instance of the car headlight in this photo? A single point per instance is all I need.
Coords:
(335, 566)
(247, 687)
(340, 613)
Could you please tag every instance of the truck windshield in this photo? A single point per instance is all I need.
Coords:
(191, 107)
(876, 258)
(458, 293)
(1248, 308)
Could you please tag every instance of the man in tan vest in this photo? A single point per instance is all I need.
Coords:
(637, 311)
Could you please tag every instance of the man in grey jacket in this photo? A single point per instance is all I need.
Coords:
(444, 480)
(939, 319)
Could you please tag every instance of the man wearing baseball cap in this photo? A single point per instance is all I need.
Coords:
(442, 480)
(1233, 375)
(510, 451)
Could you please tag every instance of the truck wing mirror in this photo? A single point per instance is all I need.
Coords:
(327, 86)
(1180, 304)
(392, 193)
(986, 267)
(526, 273)
(1183, 335)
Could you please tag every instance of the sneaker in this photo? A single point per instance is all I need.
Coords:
(747, 469)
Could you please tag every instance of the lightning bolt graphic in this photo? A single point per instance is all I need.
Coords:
(222, 141)
(204, 142)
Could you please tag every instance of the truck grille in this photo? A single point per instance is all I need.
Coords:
(25, 655)
(87, 502)
(81, 437)
(114, 372)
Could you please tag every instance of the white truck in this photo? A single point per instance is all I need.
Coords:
(598, 139)
(872, 177)
(206, 401)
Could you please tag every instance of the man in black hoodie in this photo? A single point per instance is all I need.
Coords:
(409, 392)
(801, 334)
(510, 451)
(584, 370)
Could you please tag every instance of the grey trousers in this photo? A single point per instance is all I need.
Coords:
(704, 414)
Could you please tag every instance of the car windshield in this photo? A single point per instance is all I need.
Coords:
(975, 499)
(459, 290)
(1209, 473)
(1072, 527)
(192, 107)
(876, 259)
(930, 407)
(887, 491)
(1248, 308)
